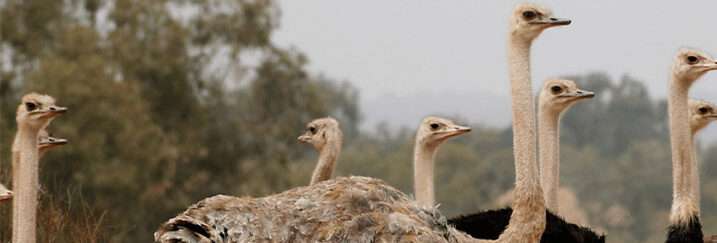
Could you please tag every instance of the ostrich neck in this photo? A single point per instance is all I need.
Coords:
(25, 185)
(683, 205)
(527, 221)
(423, 158)
(327, 162)
(549, 156)
(695, 164)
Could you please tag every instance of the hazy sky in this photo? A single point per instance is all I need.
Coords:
(453, 52)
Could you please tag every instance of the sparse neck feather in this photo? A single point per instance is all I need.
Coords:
(549, 155)
(423, 178)
(527, 222)
(25, 185)
(327, 161)
(683, 205)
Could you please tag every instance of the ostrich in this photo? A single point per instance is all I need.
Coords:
(45, 142)
(530, 215)
(33, 115)
(527, 221)
(555, 98)
(701, 114)
(431, 133)
(326, 137)
(688, 66)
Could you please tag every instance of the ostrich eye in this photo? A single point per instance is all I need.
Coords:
(529, 15)
(556, 89)
(435, 126)
(692, 60)
(703, 110)
(312, 130)
(30, 106)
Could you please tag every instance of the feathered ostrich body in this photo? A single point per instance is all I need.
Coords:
(345, 209)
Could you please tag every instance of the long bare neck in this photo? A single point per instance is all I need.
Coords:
(25, 186)
(423, 164)
(327, 161)
(528, 219)
(683, 205)
(695, 164)
(549, 156)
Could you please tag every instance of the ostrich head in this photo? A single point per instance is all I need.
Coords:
(701, 114)
(46, 141)
(689, 64)
(529, 20)
(558, 94)
(320, 132)
(36, 111)
(5, 194)
(435, 130)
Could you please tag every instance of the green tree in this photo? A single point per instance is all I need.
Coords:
(166, 104)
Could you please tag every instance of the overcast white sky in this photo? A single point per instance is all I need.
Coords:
(453, 52)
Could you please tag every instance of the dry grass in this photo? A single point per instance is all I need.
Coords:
(60, 221)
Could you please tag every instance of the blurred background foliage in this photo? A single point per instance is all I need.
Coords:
(174, 101)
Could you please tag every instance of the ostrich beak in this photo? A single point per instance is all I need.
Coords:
(461, 129)
(454, 130)
(711, 66)
(585, 94)
(304, 138)
(555, 22)
(6, 196)
(53, 141)
(579, 94)
(53, 111)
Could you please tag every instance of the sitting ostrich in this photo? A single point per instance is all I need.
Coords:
(33, 115)
(432, 132)
(326, 137)
(344, 209)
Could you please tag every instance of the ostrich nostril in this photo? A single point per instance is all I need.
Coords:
(554, 19)
(52, 108)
